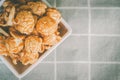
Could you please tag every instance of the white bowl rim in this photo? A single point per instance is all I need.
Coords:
(69, 31)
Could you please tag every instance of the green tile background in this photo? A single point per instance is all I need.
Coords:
(42, 72)
(52, 2)
(105, 3)
(105, 49)
(72, 72)
(105, 21)
(71, 3)
(72, 49)
(6, 74)
(77, 19)
(105, 72)
(50, 57)
(72, 57)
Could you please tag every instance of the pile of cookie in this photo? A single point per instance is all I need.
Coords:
(32, 29)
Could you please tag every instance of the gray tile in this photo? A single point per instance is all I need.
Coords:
(6, 74)
(51, 2)
(72, 72)
(41, 72)
(71, 3)
(77, 19)
(105, 72)
(105, 48)
(105, 21)
(73, 49)
(105, 3)
(50, 57)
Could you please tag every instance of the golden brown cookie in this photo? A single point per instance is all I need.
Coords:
(46, 26)
(24, 22)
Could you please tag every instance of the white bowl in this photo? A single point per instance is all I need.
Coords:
(21, 70)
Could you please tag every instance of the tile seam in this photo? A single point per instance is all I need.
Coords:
(89, 40)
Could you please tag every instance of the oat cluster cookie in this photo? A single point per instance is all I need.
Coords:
(32, 29)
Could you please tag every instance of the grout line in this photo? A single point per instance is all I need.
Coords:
(95, 62)
(97, 35)
(47, 62)
(72, 7)
(106, 35)
(89, 40)
(54, 3)
(79, 35)
(83, 62)
(89, 57)
(87, 62)
(88, 8)
(67, 62)
(55, 66)
(105, 7)
(59, 62)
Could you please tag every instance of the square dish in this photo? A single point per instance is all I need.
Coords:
(21, 70)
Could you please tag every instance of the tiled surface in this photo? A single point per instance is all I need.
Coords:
(6, 74)
(105, 49)
(105, 72)
(42, 72)
(77, 19)
(72, 49)
(50, 57)
(52, 2)
(105, 21)
(71, 3)
(105, 3)
(91, 52)
(72, 72)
